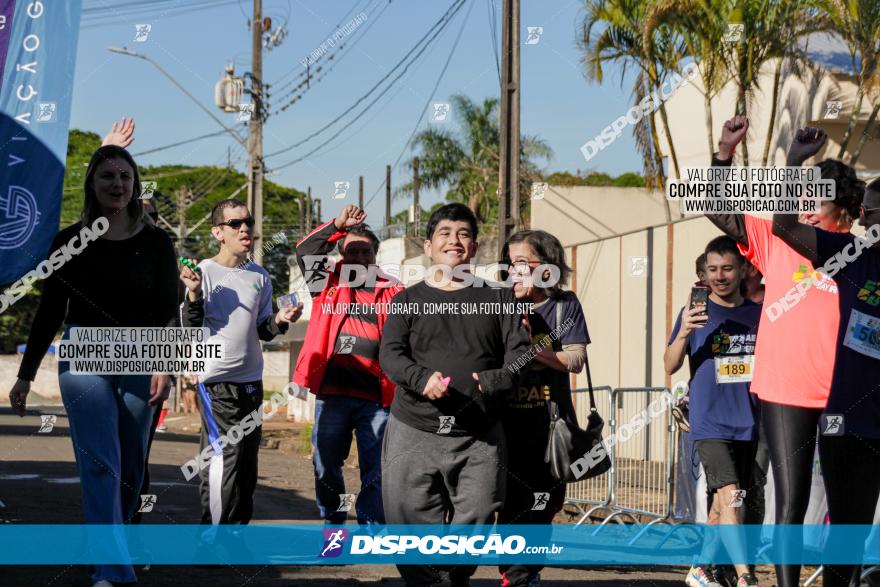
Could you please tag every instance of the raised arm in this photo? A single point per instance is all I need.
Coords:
(733, 132)
(312, 251)
(121, 133)
(800, 237)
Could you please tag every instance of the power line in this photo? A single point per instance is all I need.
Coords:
(493, 29)
(172, 145)
(444, 20)
(118, 17)
(342, 50)
(376, 99)
(430, 97)
(338, 25)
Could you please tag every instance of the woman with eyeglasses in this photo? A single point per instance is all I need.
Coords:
(559, 342)
(849, 446)
(125, 276)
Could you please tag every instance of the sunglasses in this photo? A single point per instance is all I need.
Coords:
(867, 211)
(236, 223)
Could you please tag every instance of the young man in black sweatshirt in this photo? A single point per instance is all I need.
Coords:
(444, 460)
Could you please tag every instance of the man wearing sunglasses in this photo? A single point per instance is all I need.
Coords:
(232, 296)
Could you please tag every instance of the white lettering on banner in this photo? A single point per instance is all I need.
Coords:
(29, 44)
(447, 545)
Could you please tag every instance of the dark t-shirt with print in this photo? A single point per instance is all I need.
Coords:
(855, 382)
(526, 415)
(721, 406)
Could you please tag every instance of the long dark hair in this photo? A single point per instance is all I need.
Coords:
(91, 209)
(549, 251)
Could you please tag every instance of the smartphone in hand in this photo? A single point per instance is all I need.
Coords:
(700, 299)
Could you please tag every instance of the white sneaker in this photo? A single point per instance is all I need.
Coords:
(699, 577)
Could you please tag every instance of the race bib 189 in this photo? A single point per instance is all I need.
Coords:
(737, 369)
(863, 334)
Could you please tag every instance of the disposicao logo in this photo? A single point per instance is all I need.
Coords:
(333, 541)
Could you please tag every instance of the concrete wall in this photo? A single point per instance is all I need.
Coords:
(625, 301)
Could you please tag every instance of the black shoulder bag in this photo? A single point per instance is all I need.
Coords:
(572, 453)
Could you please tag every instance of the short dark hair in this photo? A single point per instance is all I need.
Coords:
(454, 212)
(549, 251)
(701, 264)
(217, 210)
(849, 189)
(874, 186)
(722, 245)
(360, 230)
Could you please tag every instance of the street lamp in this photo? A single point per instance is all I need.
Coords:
(124, 51)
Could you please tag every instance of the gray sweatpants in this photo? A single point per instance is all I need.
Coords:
(430, 478)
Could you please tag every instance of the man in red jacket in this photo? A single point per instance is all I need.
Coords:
(339, 362)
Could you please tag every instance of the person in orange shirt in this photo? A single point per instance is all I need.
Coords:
(849, 447)
(794, 357)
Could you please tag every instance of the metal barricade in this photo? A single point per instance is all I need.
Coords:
(594, 494)
(640, 436)
(643, 452)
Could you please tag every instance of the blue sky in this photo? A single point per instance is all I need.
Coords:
(558, 103)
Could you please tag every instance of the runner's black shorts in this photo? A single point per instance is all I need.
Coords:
(727, 462)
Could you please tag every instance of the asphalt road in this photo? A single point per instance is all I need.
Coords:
(39, 485)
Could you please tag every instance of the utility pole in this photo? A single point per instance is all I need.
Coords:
(387, 195)
(182, 205)
(417, 213)
(302, 216)
(361, 192)
(508, 173)
(309, 210)
(255, 132)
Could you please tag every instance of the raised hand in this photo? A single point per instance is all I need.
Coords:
(350, 216)
(732, 134)
(121, 133)
(807, 142)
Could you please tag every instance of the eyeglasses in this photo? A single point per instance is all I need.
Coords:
(236, 223)
(523, 265)
(867, 211)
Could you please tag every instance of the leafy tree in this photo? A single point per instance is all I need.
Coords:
(466, 161)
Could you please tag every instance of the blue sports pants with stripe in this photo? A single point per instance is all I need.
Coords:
(231, 426)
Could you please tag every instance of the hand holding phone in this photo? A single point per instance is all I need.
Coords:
(698, 306)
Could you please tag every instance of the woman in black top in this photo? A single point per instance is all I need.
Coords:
(559, 343)
(118, 271)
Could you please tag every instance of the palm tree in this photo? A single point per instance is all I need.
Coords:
(792, 20)
(770, 31)
(858, 22)
(466, 160)
(702, 25)
(621, 41)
